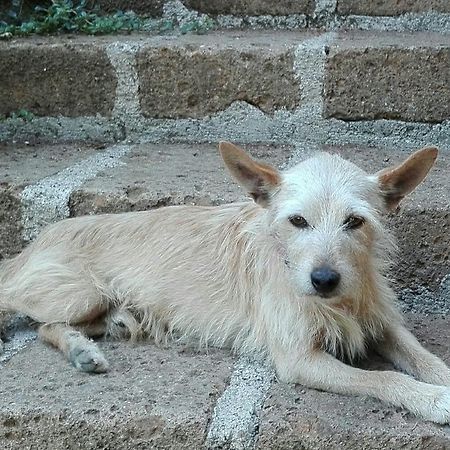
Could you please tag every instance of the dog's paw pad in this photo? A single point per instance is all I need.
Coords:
(88, 358)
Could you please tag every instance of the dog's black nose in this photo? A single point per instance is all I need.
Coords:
(324, 280)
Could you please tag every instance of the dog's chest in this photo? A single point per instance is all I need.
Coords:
(341, 331)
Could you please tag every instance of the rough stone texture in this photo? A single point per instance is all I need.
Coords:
(252, 7)
(58, 79)
(151, 399)
(19, 167)
(194, 77)
(388, 77)
(152, 8)
(298, 418)
(160, 175)
(391, 7)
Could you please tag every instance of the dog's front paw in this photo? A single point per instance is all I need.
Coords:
(438, 409)
(85, 355)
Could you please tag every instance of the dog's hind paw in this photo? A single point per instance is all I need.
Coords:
(86, 356)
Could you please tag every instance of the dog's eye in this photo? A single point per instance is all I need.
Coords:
(353, 222)
(298, 221)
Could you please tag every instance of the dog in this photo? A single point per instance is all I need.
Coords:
(296, 276)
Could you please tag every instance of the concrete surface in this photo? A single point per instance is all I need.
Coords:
(152, 398)
(152, 8)
(152, 176)
(252, 7)
(174, 397)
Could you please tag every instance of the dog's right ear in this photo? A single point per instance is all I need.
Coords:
(258, 178)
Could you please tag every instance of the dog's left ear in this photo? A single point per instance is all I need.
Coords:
(397, 182)
(258, 178)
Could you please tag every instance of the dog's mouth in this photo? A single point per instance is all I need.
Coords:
(326, 295)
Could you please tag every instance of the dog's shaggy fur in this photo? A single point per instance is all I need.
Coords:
(296, 276)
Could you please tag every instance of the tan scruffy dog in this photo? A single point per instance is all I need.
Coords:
(296, 275)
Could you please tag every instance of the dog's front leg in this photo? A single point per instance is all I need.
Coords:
(320, 370)
(401, 348)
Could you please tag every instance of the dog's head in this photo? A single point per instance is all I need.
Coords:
(325, 215)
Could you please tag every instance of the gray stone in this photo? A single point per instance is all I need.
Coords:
(151, 398)
(161, 175)
(152, 8)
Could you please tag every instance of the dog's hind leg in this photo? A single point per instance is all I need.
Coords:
(78, 349)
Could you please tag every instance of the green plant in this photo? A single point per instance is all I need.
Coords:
(200, 26)
(24, 114)
(68, 16)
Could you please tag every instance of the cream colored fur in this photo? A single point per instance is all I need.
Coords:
(238, 276)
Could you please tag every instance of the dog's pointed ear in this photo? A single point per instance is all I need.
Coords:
(397, 182)
(258, 178)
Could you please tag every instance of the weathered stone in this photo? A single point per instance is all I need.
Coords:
(153, 176)
(391, 7)
(198, 77)
(58, 79)
(21, 166)
(388, 79)
(252, 7)
(151, 398)
(298, 418)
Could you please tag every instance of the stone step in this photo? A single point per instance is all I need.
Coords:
(178, 398)
(153, 398)
(271, 86)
